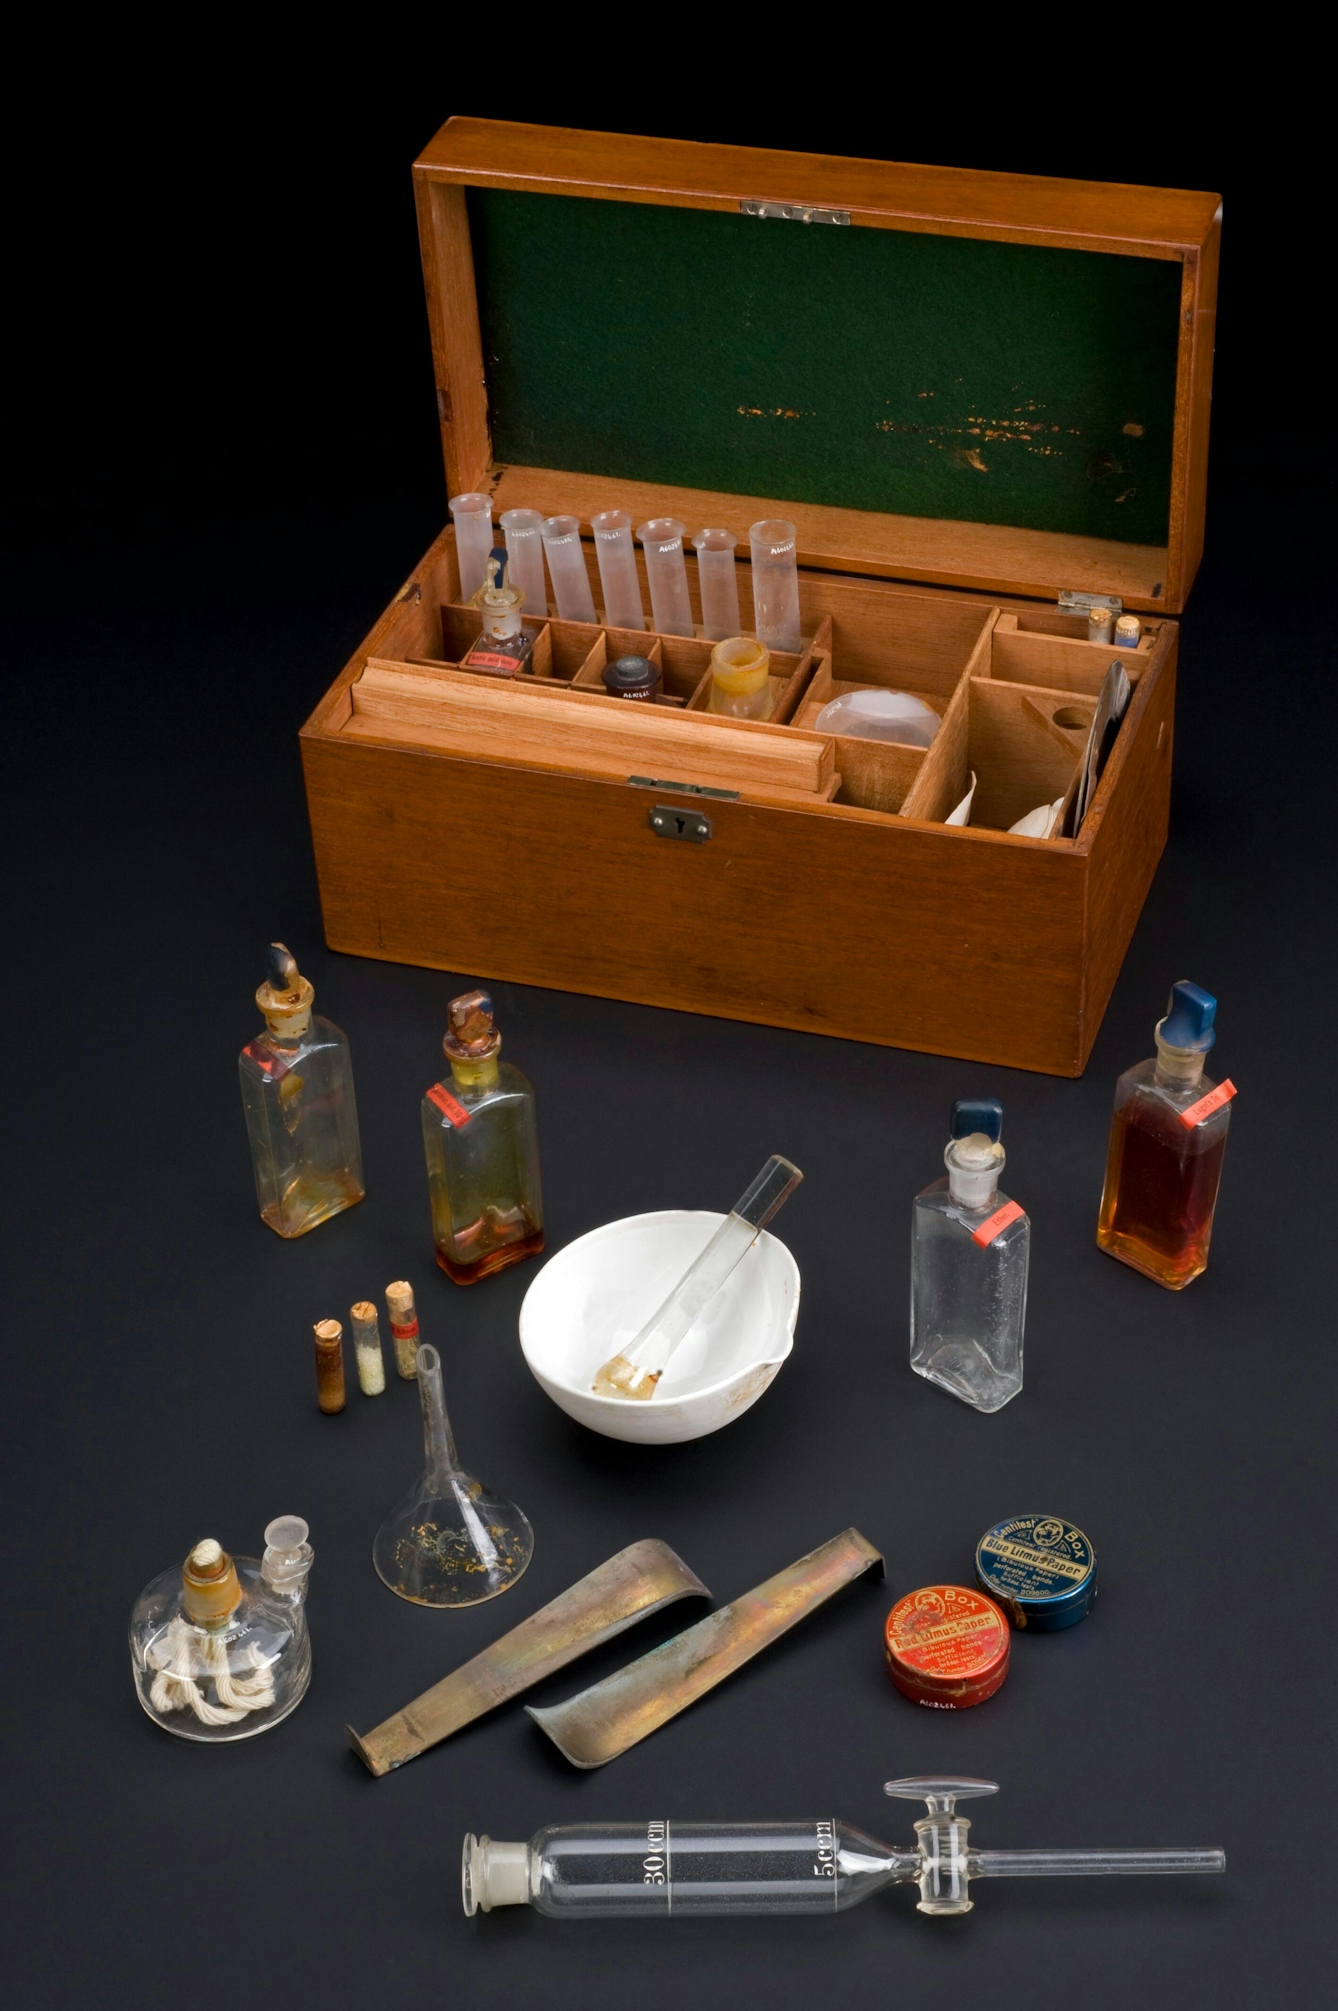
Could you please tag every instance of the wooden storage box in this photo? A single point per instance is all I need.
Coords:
(979, 398)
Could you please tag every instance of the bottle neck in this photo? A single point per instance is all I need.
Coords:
(287, 1014)
(971, 1183)
(476, 1075)
(1178, 1068)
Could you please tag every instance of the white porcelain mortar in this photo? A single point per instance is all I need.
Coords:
(593, 1297)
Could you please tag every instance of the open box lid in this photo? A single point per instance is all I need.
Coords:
(988, 381)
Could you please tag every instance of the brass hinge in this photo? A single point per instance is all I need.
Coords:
(1071, 602)
(792, 212)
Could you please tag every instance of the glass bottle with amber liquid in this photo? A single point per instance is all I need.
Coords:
(482, 1151)
(1167, 1142)
(297, 1091)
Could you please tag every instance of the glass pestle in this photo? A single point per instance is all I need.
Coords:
(637, 1369)
(450, 1541)
(660, 1869)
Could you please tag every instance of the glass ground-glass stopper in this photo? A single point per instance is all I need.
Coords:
(450, 1541)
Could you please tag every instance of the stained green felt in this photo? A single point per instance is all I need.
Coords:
(876, 369)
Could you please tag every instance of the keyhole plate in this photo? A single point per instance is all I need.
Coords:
(668, 821)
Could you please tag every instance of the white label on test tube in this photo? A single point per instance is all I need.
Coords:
(566, 568)
(775, 585)
(473, 540)
(617, 569)
(719, 585)
(524, 532)
(667, 572)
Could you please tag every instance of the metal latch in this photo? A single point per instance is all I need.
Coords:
(1071, 602)
(683, 788)
(792, 212)
(670, 822)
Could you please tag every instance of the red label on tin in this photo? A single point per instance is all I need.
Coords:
(995, 1224)
(947, 1645)
(1216, 1099)
(447, 1105)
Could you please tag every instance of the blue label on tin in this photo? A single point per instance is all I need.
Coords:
(1041, 1568)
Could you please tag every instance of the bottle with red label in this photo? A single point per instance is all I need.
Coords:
(1167, 1142)
(506, 644)
(970, 1247)
(482, 1151)
(297, 1091)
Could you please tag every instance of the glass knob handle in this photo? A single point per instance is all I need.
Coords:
(940, 1793)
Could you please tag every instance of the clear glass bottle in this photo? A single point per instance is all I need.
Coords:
(663, 1870)
(219, 1645)
(1167, 1142)
(507, 641)
(970, 1247)
(297, 1091)
(482, 1151)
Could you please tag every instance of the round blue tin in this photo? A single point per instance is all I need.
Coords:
(1040, 1569)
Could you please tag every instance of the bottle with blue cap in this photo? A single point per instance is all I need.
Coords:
(970, 1247)
(505, 645)
(1167, 1142)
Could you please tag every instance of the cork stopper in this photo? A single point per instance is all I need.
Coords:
(209, 1587)
(286, 997)
(400, 1303)
(470, 1033)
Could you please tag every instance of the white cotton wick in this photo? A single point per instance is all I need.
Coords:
(205, 1555)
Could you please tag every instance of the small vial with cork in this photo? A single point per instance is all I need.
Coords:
(297, 1092)
(507, 642)
(403, 1315)
(367, 1348)
(1167, 1143)
(482, 1150)
(329, 1339)
(970, 1249)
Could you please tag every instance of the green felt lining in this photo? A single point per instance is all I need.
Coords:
(870, 369)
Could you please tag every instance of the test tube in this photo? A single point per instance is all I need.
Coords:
(720, 587)
(617, 569)
(566, 569)
(472, 515)
(329, 1366)
(403, 1327)
(667, 571)
(524, 533)
(775, 585)
(367, 1348)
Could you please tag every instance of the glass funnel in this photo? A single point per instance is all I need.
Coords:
(450, 1541)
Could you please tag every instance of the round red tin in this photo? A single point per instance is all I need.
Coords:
(947, 1647)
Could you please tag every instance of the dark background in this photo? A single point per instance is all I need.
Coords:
(225, 390)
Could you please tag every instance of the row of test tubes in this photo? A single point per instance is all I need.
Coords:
(531, 538)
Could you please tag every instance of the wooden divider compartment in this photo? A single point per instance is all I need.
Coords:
(1015, 690)
(403, 769)
(1055, 661)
